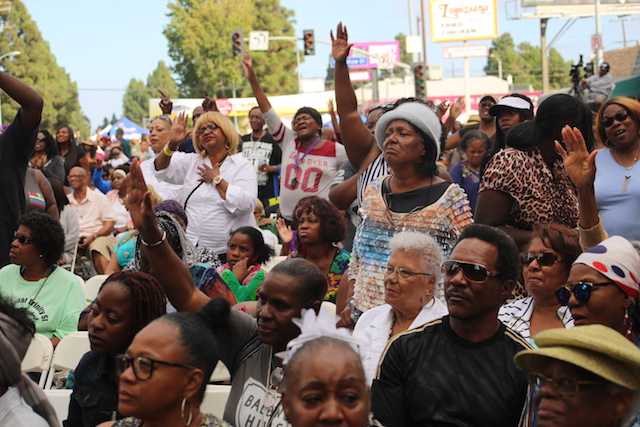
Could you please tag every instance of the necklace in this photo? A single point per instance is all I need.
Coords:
(259, 138)
(627, 176)
(22, 269)
(298, 160)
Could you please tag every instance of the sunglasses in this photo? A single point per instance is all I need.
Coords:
(165, 117)
(21, 238)
(472, 272)
(212, 127)
(581, 291)
(545, 259)
(143, 366)
(487, 104)
(43, 139)
(562, 385)
(620, 116)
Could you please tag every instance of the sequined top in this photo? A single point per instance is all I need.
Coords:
(209, 420)
(443, 220)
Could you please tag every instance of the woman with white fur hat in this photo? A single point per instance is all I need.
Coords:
(412, 197)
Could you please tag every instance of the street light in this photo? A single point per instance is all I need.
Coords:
(17, 52)
(493, 55)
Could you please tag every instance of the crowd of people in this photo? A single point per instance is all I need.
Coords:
(501, 291)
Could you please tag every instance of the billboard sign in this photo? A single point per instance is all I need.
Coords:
(533, 3)
(384, 53)
(476, 51)
(460, 20)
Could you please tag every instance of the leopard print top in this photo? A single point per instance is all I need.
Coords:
(540, 194)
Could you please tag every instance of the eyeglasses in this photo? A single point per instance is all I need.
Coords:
(76, 176)
(562, 385)
(142, 366)
(472, 272)
(487, 104)
(620, 116)
(212, 127)
(581, 291)
(402, 272)
(165, 117)
(21, 238)
(545, 259)
(43, 139)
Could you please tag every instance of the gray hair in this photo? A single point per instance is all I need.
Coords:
(423, 246)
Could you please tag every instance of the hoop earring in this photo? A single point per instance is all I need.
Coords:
(188, 422)
(628, 323)
(228, 145)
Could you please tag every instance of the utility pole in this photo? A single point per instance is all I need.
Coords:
(599, 52)
(545, 56)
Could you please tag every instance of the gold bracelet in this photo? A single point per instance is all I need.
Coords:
(168, 151)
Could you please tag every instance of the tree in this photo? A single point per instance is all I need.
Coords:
(524, 63)
(135, 102)
(199, 37)
(37, 67)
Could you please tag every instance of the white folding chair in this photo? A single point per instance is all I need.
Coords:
(273, 261)
(59, 399)
(92, 286)
(38, 357)
(215, 399)
(220, 373)
(68, 353)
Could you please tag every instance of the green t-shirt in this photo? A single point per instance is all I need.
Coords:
(58, 304)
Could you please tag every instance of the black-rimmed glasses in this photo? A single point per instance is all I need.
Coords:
(581, 291)
(472, 272)
(211, 128)
(562, 385)
(620, 116)
(143, 366)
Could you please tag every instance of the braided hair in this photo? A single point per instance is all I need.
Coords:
(149, 301)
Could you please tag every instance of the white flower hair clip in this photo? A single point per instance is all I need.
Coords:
(313, 327)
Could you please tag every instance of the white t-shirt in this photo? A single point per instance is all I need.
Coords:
(316, 169)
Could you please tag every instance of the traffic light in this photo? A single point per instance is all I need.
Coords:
(419, 81)
(309, 42)
(237, 41)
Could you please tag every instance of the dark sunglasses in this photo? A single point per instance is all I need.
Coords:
(142, 366)
(581, 291)
(472, 272)
(21, 238)
(620, 116)
(544, 258)
(43, 139)
(487, 104)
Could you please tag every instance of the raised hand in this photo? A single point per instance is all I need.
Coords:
(165, 103)
(442, 108)
(340, 43)
(209, 104)
(138, 200)
(330, 105)
(247, 65)
(579, 163)
(284, 231)
(457, 107)
(179, 129)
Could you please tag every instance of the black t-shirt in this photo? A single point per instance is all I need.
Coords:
(71, 159)
(16, 146)
(415, 199)
(432, 377)
(263, 150)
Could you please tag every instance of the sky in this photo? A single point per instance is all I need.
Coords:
(102, 44)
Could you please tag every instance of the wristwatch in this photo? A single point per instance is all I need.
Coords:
(217, 180)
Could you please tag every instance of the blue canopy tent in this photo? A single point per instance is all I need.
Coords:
(131, 130)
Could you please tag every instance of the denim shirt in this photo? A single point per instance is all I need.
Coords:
(95, 392)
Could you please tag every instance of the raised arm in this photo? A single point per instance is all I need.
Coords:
(178, 134)
(168, 269)
(356, 138)
(249, 73)
(30, 101)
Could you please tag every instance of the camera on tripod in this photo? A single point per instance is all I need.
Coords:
(575, 72)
